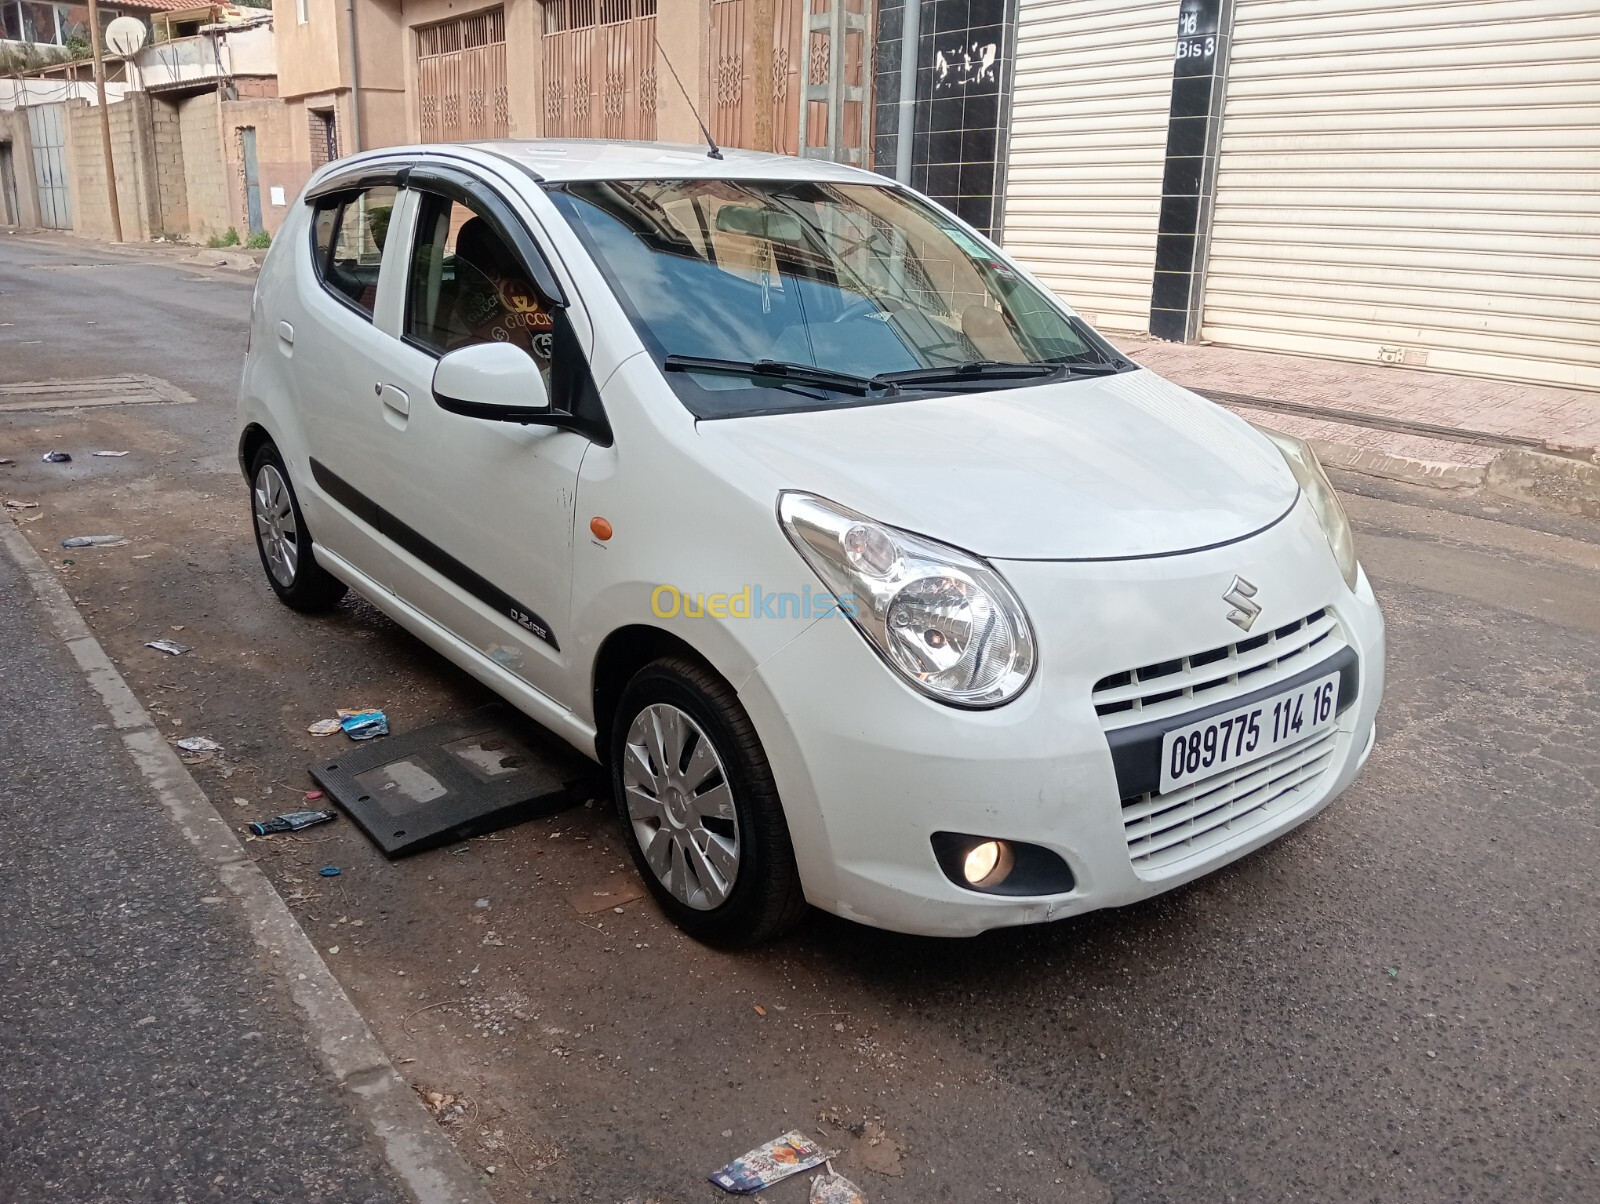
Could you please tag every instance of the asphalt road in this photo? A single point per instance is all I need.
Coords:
(1393, 1002)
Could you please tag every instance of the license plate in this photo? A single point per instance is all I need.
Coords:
(1201, 750)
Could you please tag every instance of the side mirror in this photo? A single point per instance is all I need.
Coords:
(496, 381)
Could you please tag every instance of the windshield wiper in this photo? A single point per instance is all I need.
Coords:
(1090, 367)
(975, 371)
(781, 370)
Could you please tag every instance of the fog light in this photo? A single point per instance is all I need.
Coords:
(987, 864)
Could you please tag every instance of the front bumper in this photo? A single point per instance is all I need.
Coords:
(869, 769)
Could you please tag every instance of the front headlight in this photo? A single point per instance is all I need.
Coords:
(940, 617)
(1308, 471)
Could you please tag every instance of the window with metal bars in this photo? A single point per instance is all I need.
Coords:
(560, 16)
(487, 28)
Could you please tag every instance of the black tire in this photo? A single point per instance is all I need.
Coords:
(765, 898)
(309, 587)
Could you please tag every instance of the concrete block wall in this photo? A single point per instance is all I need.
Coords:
(172, 192)
(132, 165)
(205, 167)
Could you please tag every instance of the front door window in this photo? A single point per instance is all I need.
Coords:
(467, 286)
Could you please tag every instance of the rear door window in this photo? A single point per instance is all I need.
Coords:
(348, 235)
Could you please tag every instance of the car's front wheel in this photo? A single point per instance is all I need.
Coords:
(282, 538)
(700, 808)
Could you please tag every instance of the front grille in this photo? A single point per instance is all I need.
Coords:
(1165, 828)
(1170, 688)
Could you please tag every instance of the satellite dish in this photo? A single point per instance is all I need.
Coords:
(126, 36)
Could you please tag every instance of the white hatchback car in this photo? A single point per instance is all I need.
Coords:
(877, 578)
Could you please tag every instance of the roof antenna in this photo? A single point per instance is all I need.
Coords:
(713, 153)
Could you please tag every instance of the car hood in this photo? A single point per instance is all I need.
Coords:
(1108, 468)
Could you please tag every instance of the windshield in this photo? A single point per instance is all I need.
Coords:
(757, 296)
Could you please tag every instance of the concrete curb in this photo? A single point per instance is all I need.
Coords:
(1392, 467)
(1572, 486)
(238, 261)
(1567, 480)
(421, 1157)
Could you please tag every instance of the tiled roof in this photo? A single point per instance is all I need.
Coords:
(157, 6)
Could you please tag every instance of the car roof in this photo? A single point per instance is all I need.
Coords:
(560, 160)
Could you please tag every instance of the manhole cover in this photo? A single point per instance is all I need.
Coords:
(127, 390)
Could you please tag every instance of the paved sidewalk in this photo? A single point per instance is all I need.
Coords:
(149, 1055)
(1427, 427)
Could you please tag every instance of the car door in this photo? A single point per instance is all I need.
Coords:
(335, 347)
(481, 511)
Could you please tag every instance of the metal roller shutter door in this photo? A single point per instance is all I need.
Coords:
(1413, 182)
(1093, 88)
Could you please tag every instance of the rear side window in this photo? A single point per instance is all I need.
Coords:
(348, 234)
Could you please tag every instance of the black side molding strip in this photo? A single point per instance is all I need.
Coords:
(1136, 751)
(430, 553)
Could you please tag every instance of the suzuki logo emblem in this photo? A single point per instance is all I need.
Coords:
(1241, 596)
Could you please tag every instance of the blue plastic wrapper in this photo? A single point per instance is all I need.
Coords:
(762, 1167)
(364, 725)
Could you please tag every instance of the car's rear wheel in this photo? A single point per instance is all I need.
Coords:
(700, 808)
(283, 540)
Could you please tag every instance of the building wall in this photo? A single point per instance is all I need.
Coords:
(384, 46)
(276, 164)
(14, 133)
(964, 60)
(252, 51)
(311, 56)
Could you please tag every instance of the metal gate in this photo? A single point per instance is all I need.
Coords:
(600, 69)
(47, 130)
(815, 53)
(748, 36)
(461, 79)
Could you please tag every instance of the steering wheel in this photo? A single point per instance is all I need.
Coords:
(866, 307)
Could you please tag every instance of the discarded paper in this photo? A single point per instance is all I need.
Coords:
(170, 647)
(771, 1163)
(833, 1188)
(325, 727)
(110, 454)
(94, 541)
(196, 750)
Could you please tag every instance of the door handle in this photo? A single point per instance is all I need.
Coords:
(286, 333)
(396, 399)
